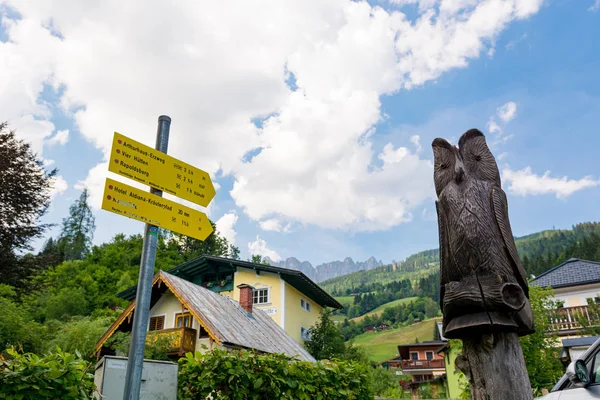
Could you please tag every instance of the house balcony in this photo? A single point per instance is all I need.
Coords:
(568, 320)
(422, 364)
(179, 340)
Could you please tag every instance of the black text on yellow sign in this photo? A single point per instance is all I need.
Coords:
(134, 203)
(151, 167)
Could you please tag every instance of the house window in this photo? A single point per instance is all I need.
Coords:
(305, 305)
(429, 355)
(183, 320)
(202, 333)
(414, 356)
(304, 333)
(261, 296)
(157, 323)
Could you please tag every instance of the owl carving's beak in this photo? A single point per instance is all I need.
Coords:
(459, 172)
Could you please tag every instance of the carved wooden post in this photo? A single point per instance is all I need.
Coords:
(484, 293)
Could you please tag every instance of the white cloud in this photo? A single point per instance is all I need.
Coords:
(259, 246)
(507, 112)
(595, 6)
(59, 186)
(416, 141)
(493, 127)
(225, 226)
(271, 224)
(274, 224)
(217, 66)
(525, 182)
(61, 138)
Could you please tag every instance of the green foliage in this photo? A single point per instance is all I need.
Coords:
(364, 303)
(375, 279)
(17, 327)
(214, 245)
(386, 383)
(25, 188)
(401, 315)
(157, 347)
(544, 250)
(77, 229)
(590, 320)
(244, 375)
(79, 335)
(258, 259)
(541, 349)
(326, 341)
(56, 375)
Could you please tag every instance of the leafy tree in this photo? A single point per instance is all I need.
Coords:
(541, 349)
(214, 245)
(78, 229)
(326, 341)
(258, 259)
(17, 328)
(67, 302)
(80, 334)
(25, 188)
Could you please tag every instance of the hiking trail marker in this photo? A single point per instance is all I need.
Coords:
(131, 202)
(151, 167)
(163, 173)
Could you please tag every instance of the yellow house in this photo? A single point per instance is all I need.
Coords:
(288, 296)
(193, 318)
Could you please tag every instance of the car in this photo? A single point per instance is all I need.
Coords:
(582, 378)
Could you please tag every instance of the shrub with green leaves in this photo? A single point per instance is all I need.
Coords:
(239, 375)
(56, 375)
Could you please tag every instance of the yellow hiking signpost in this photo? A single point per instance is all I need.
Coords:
(163, 173)
(151, 167)
(131, 202)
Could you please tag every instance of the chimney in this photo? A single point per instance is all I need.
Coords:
(246, 292)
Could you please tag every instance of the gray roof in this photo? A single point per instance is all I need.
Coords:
(573, 272)
(582, 341)
(230, 323)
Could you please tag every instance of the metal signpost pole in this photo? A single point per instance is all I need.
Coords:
(133, 379)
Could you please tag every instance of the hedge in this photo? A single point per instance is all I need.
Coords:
(239, 375)
(57, 375)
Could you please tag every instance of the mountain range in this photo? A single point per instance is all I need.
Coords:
(327, 270)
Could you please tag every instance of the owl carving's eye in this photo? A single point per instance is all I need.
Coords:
(477, 157)
(444, 166)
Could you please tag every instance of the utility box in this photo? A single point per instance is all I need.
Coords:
(159, 379)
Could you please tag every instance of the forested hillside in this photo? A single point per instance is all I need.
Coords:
(539, 252)
(545, 250)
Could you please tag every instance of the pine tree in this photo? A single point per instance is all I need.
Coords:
(78, 229)
(25, 189)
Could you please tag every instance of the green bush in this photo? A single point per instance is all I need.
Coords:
(57, 375)
(246, 375)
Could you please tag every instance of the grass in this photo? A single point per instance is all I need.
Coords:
(345, 300)
(382, 307)
(338, 318)
(384, 345)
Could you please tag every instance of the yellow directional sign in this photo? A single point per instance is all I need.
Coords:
(134, 203)
(151, 167)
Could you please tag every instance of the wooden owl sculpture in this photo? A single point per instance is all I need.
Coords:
(483, 284)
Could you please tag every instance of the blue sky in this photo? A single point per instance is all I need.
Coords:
(315, 120)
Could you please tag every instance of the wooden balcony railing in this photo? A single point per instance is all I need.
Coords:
(570, 318)
(180, 340)
(422, 364)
